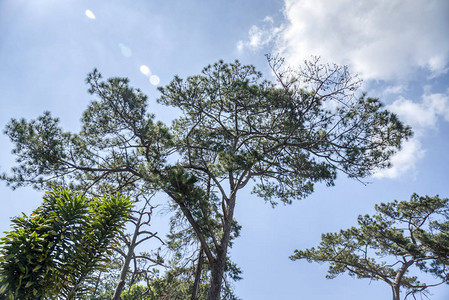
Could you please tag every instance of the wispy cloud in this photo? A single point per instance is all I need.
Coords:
(422, 116)
(404, 161)
(395, 89)
(260, 36)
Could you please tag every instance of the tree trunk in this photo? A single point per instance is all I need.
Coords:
(397, 281)
(395, 289)
(124, 271)
(216, 280)
(219, 264)
(125, 267)
(199, 268)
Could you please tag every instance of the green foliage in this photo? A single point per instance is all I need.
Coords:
(176, 283)
(175, 286)
(235, 127)
(286, 138)
(55, 250)
(163, 288)
(387, 244)
(118, 144)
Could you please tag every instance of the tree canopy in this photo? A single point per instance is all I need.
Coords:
(387, 245)
(235, 128)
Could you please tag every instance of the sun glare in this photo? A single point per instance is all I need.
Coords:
(125, 50)
(154, 79)
(145, 70)
(90, 14)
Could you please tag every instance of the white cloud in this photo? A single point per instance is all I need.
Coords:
(385, 40)
(439, 103)
(404, 161)
(422, 117)
(380, 39)
(240, 46)
(396, 89)
(259, 37)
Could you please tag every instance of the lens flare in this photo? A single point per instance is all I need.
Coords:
(154, 79)
(145, 70)
(125, 50)
(90, 14)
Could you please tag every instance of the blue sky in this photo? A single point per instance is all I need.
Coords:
(399, 48)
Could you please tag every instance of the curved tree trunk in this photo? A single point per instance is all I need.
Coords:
(395, 289)
(397, 282)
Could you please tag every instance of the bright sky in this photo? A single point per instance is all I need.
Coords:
(400, 49)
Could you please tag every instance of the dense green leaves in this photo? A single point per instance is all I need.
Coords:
(386, 245)
(53, 252)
